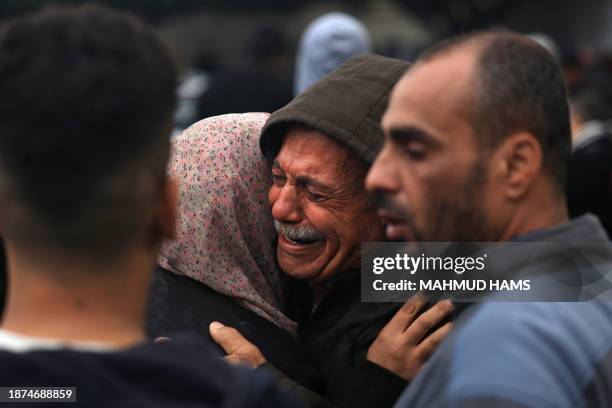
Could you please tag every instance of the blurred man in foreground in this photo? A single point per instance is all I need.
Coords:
(86, 99)
(477, 148)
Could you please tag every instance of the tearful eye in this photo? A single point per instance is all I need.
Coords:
(316, 197)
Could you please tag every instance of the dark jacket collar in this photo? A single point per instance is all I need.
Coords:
(346, 105)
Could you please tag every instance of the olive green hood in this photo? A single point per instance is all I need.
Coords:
(346, 105)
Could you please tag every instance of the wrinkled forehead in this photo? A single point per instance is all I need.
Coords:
(308, 152)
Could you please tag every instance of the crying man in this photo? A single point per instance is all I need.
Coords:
(320, 148)
(320, 206)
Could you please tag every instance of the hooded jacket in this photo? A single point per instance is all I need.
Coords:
(326, 43)
(347, 106)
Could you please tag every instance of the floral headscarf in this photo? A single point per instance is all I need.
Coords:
(225, 235)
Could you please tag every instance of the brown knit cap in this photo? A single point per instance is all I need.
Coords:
(346, 105)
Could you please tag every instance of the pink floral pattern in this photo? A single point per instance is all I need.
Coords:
(225, 235)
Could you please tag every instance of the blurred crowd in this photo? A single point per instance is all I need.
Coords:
(198, 242)
(263, 86)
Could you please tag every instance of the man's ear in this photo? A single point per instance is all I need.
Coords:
(520, 162)
(167, 210)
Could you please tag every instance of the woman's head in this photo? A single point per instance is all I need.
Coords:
(225, 235)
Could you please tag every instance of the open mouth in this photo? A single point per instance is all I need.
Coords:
(297, 237)
(302, 241)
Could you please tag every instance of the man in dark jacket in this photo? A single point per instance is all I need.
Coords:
(320, 147)
(86, 101)
(589, 186)
(477, 148)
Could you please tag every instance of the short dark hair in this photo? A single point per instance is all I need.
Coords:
(86, 99)
(593, 101)
(518, 86)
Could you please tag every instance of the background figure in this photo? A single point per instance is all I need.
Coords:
(222, 265)
(326, 43)
(195, 81)
(259, 85)
(589, 187)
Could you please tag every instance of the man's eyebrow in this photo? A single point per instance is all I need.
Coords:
(305, 179)
(407, 134)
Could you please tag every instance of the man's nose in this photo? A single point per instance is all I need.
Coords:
(286, 207)
(381, 177)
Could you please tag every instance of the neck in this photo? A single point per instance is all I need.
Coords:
(75, 300)
(545, 213)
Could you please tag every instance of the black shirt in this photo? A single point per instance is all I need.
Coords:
(589, 186)
(184, 372)
(181, 304)
(336, 338)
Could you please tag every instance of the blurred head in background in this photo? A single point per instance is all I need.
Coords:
(260, 84)
(591, 105)
(589, 187)
(266, 47)
(326, 43)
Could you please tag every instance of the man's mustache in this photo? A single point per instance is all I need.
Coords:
(298, 232)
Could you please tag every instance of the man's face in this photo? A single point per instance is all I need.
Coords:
(320, 206)
(431, 176)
